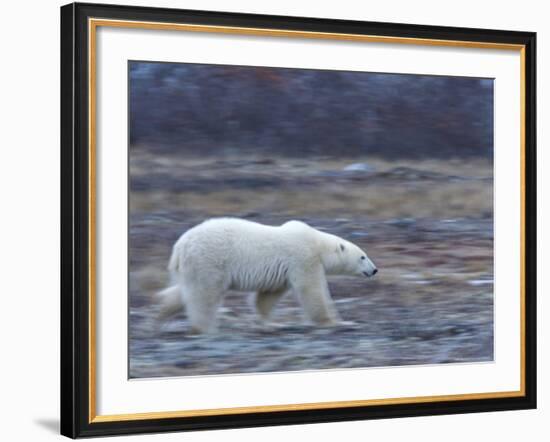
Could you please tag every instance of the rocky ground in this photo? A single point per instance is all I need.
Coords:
(427, 225)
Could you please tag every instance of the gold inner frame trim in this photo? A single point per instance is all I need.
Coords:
(305, 406)
(300, 34)
(92, 28)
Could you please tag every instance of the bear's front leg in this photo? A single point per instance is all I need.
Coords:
(310, 285)
(265, 301)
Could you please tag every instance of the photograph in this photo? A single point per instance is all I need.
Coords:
(271, 220)
(287, 219)
(275, 221)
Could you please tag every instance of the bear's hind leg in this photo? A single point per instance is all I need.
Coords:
(265, 301)
(202, 307)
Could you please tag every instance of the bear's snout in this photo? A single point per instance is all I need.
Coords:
(374, 272)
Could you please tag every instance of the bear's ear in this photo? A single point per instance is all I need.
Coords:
(342, 247)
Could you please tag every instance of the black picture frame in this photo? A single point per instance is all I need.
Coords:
(75, 221)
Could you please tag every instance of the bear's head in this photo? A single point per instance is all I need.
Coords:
(348, 259)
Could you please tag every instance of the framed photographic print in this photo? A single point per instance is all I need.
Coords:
(274, 220)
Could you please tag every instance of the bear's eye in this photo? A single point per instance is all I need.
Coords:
(362, 257)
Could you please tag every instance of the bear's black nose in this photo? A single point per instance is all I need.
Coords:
(374, 272)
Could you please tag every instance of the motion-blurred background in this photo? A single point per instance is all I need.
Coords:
(399, 164)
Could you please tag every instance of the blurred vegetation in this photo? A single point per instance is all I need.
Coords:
(233, 109)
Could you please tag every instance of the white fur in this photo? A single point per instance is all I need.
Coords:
(223, 254)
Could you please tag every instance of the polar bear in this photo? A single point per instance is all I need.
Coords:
(223, 254)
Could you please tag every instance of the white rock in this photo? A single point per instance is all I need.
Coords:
(359, 167)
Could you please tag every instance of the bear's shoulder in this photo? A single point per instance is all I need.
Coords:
(299, 228)
(296, 224)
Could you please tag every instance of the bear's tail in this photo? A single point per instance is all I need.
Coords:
(170, 302)
(175, 264)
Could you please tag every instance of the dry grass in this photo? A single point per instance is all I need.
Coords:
(374, 197)
(144, 161)
(447, 200)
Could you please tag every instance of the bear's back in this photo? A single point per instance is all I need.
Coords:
(230, 225)
(228, 233)
(237, 234)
